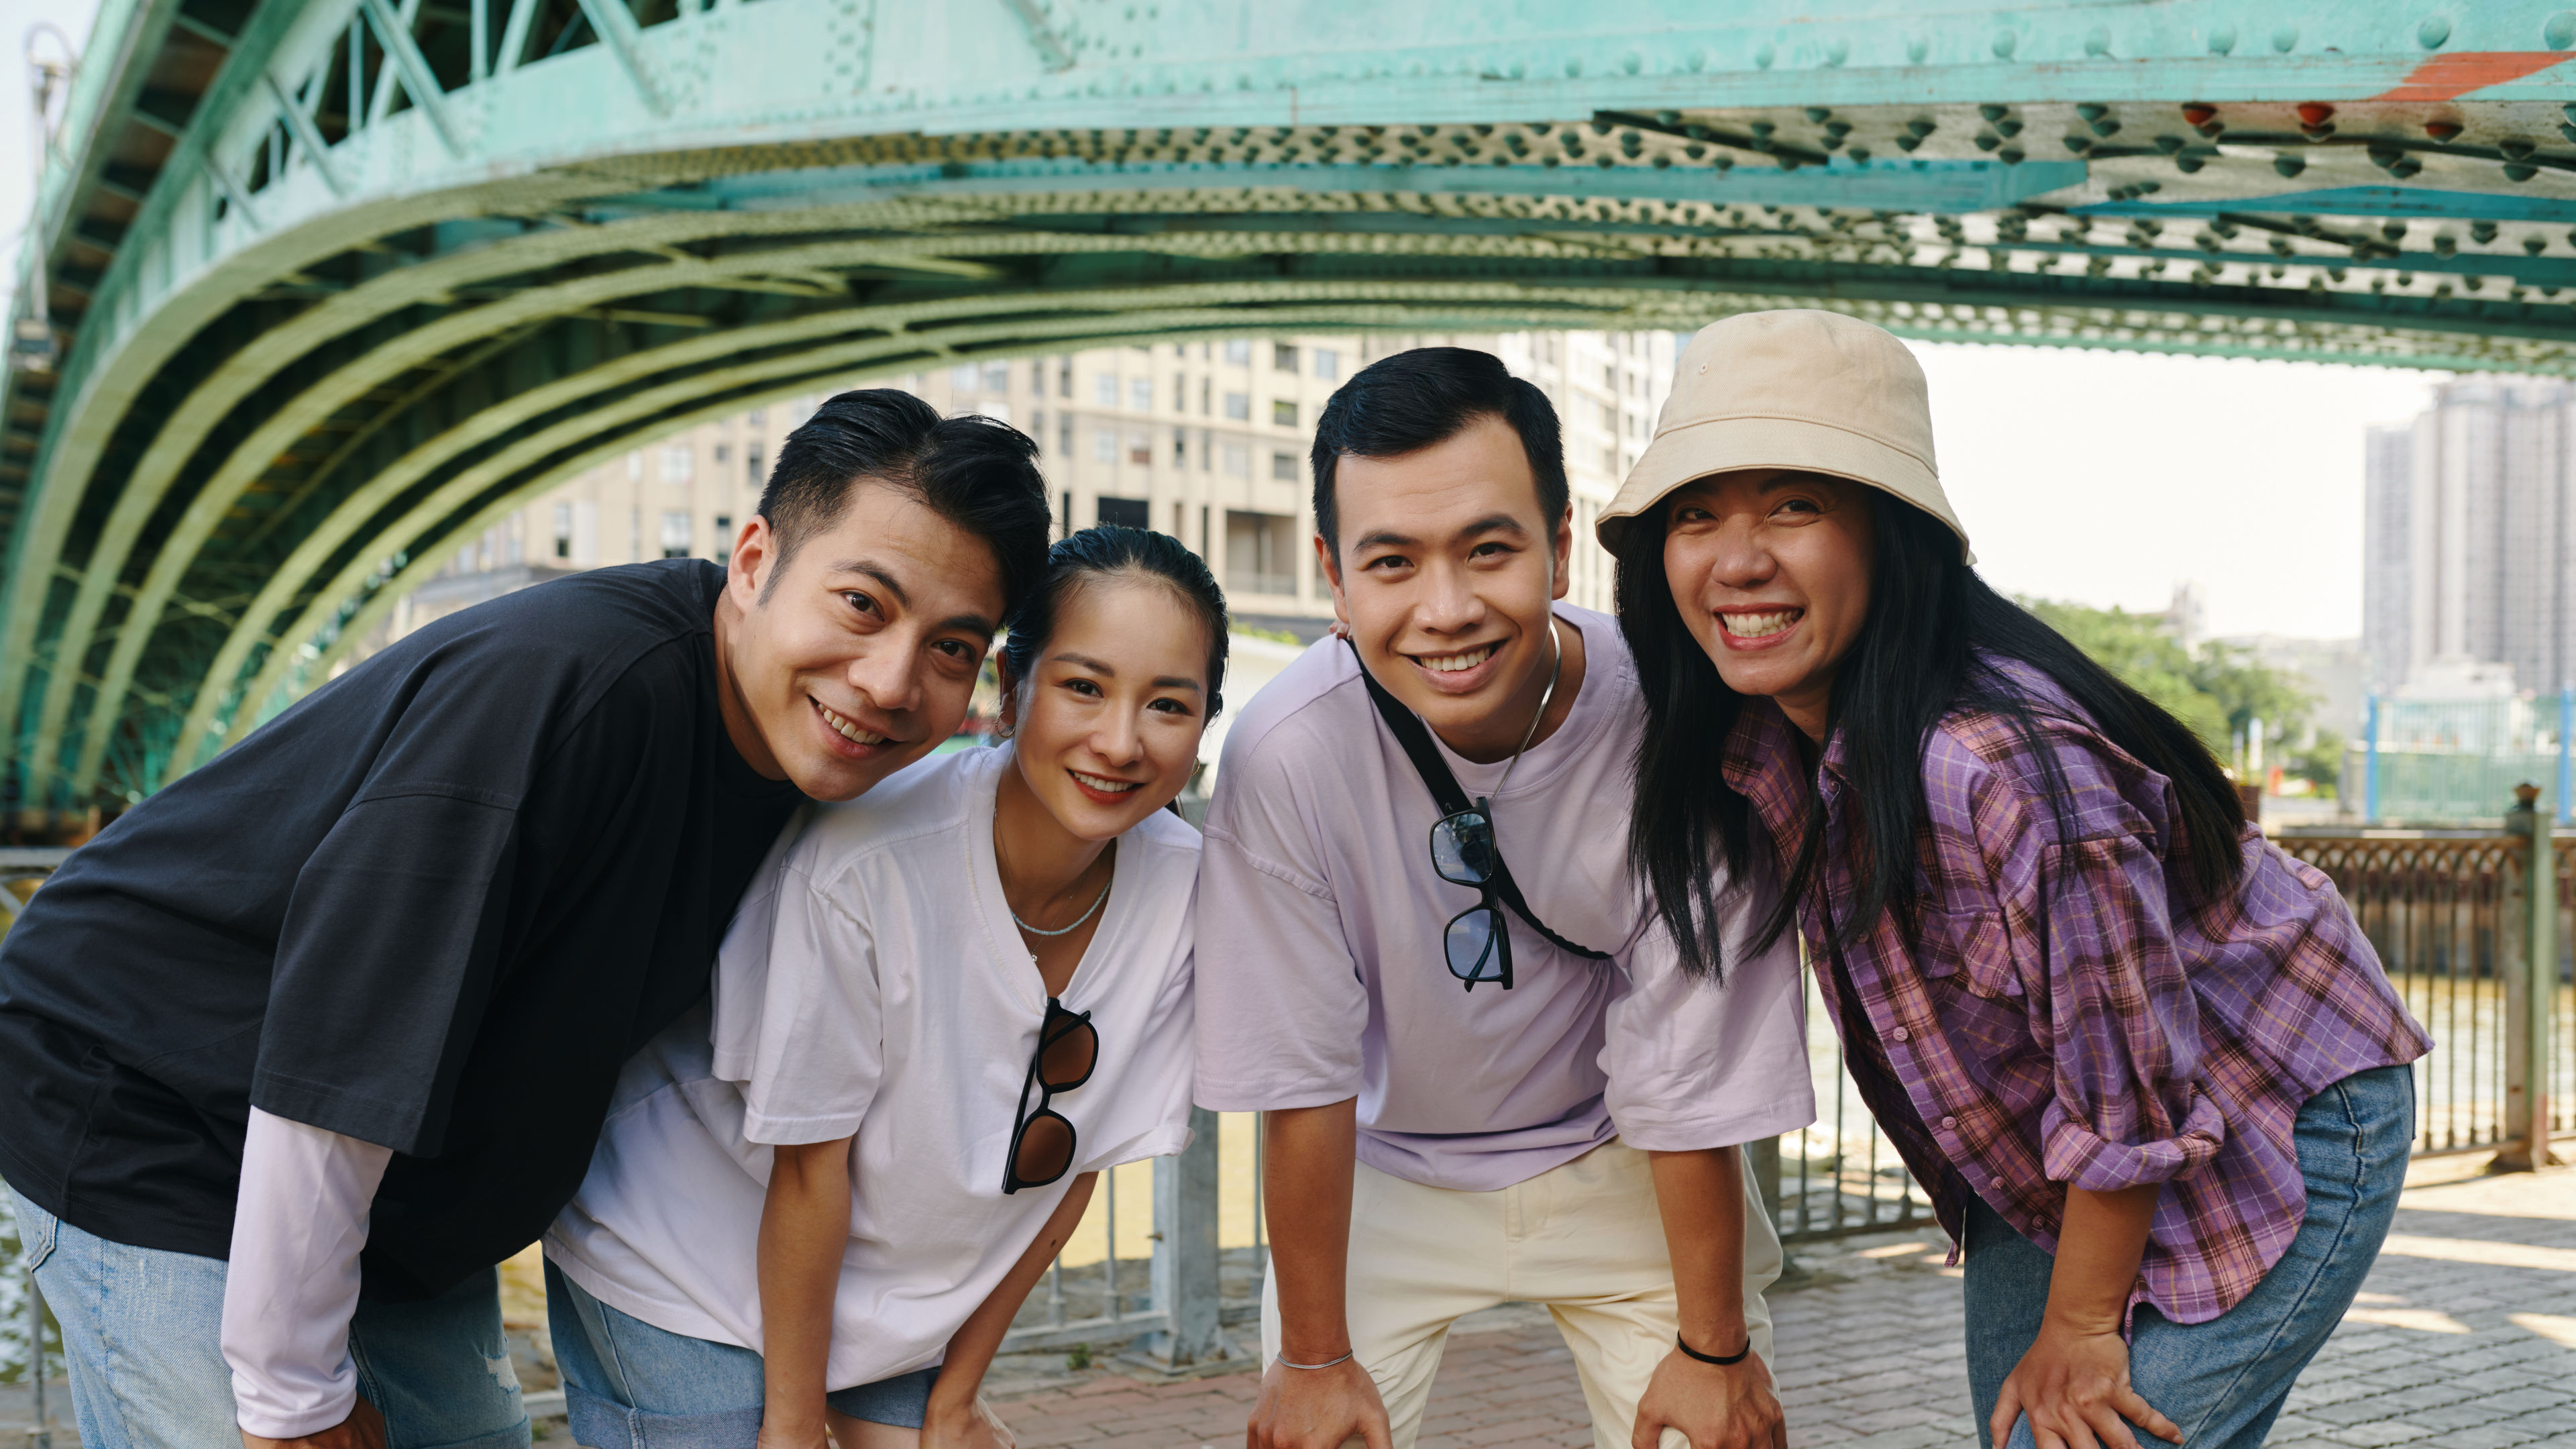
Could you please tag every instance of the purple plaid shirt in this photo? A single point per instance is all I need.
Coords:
(2057, 1022)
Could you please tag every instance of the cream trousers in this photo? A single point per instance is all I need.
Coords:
(1584, 1239)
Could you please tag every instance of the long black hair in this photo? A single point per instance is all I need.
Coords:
(1924, 652)
(1097, 555)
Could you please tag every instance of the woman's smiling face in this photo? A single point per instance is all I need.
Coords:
(1108, 729)
(1771, 572)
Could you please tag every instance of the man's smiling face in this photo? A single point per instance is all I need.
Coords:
(1444, 575)
(857, 654)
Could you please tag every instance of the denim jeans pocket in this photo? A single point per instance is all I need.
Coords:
(37, 1231)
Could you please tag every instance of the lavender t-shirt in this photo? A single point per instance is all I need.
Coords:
(1320, 974)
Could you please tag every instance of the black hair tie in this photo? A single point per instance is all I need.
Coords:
(1734, 1358)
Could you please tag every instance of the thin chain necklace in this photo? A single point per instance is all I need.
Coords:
(1077, 921)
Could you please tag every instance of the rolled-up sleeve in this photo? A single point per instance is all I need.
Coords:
(2123, 1026)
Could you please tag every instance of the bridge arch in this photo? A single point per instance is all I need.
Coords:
(336, 278)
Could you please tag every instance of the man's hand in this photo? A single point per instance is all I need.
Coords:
(363, 1429)
(2074, 1385)
(1318, 1409)
(1714, 1406)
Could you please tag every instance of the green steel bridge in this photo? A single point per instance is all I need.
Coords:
(324, 283)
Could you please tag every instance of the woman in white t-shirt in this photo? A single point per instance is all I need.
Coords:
(940, 1012)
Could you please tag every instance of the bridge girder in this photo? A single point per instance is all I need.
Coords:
(343, 279)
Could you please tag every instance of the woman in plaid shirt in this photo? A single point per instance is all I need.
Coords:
(2146, 1064)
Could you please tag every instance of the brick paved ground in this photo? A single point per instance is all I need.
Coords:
(2465, 1339)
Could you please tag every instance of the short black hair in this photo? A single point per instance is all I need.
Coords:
(976, 473)
(1429, 395)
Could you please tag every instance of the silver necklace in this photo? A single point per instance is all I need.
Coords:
(1077, 921)
(1555, 671)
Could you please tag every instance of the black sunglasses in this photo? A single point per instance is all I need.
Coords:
(1477, 943)
(1042, 1141)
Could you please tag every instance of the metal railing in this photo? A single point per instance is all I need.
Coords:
(2449, 912)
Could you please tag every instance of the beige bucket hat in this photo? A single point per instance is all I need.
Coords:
(1816, 391)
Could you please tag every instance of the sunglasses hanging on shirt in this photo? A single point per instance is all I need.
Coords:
(1042, 1141)
(1477, 942)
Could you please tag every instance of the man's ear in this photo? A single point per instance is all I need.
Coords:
(1333, 579)
(1563, 550)
(754, 559)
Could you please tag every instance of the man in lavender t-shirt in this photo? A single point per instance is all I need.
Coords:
(1433, 1150)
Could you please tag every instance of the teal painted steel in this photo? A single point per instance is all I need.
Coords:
(343, 277)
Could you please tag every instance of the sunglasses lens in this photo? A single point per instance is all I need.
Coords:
(1472, 945)
(1462, 848)
(1070, 1050)
(1045, 1151)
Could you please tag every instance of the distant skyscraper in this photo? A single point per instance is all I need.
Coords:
(2469, 536)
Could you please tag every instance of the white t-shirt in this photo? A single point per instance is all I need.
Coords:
(1321, 975)
(874, 986)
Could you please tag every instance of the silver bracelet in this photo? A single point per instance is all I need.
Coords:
(1283, 1362)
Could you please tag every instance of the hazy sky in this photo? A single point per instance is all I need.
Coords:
(2107, 478)
(2099, 477)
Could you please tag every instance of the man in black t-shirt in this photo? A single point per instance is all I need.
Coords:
(370, 974)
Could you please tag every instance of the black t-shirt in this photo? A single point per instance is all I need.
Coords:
(433, 906)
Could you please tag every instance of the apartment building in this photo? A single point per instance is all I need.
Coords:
(2470, 537)
(1206, 440)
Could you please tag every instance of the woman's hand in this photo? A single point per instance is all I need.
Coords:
(782, 1430)
(2074, 1386)
(970, 1425)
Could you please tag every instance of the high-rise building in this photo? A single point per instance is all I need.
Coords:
(1206, 440)
(2470, 537)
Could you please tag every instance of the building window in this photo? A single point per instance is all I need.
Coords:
(1239, 351)
(1283, 413)
(751, 467)
(1238, 406)
(675, 535)
(961, 378)
(723, 545)
(1064, 437)
(1140, 394)
(1609, 416)
(1180, 394)
(1610, 376)
(679, 463)
(563, 531)
(1238, 461)
(1260, 553)
(724, 452)
(997, 377)
(1063, 379)
(1207, 397)
(634, 465)
(1180, 454)
(1125, 512)
(1140, 451)
(1104, 390)
(1283, 467)
(755, 417)
(1037, 377)
(1328, 364)
(1037, 426)
(1283, 357)
(1104, 446)
(1610, 460)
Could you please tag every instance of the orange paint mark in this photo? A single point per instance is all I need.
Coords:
(2448, 77)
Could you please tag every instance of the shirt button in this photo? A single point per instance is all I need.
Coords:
(1950, 1122)
(1995, 1184)
(1903, 1035)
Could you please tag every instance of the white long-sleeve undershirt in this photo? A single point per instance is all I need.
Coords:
(292, 1284)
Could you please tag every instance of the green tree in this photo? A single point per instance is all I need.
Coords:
(2249, 689)
(2137, 648)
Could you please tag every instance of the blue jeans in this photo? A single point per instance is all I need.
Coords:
(143, 1337)
(2222, 1382)
(629, 1385)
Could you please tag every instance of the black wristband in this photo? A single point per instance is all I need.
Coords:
(1734, 1358)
